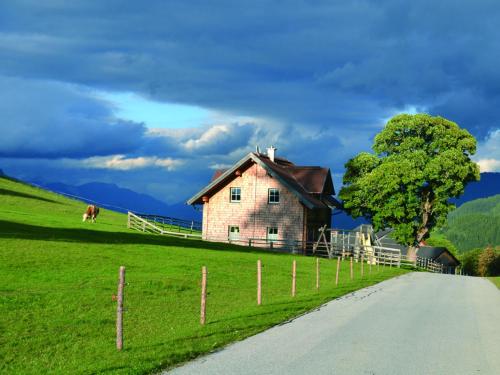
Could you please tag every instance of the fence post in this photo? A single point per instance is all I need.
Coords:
(317, 273)
(294, 269)
(362, 265)
(370, 266)
(337, 273)
(119, 309)
(128, 220)
(352, 272)
(203, 295)
(259, 282)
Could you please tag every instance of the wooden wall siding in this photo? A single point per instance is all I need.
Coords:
(253, 214)
(316, 218)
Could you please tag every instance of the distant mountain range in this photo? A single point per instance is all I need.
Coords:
(120, 199)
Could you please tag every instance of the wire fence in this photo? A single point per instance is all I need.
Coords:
(226, 293)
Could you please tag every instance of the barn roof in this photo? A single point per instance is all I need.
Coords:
(434, 253)
(312, 185)
(430, 252)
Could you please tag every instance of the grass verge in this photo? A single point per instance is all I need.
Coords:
(495, 280)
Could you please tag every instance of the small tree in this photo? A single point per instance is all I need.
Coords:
(489, 262)
(420, 162)
(470, 262)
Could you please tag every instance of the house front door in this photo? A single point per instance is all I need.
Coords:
(234, 233)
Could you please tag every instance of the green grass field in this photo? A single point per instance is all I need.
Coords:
(495, 280)
(58, 275)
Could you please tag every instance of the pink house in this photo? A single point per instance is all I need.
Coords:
(264, 197)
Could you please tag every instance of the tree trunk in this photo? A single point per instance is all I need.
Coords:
(426, 216)
(412, 254)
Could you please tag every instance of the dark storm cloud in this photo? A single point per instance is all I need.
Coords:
(319, 78)
(296, 61)
(51, 120)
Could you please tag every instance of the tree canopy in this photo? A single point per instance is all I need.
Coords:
(419, 162)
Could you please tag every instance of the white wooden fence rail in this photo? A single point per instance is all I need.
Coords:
(346, 248)
(142, 225)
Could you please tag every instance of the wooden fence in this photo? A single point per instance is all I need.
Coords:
(344, 244)
(152, 224)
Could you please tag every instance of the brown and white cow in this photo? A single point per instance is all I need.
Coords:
(91, 213)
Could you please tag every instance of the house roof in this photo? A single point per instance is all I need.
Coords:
(311, 185)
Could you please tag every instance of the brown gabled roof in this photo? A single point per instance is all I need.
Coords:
(311, 185)
(315, 180)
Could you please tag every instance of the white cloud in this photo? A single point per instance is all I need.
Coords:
(220, 166)
(488, 153)
(489, 165)
(120, 162)
(207, 138)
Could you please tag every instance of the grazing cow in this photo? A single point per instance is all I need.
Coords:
(91, 213)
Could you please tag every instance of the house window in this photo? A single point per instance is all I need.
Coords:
(272, 234)
(234, 232)
(235, 194)
(273, 196)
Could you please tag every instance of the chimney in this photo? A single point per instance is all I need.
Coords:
(270, 153)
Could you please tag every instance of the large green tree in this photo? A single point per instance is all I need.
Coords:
(420, 162)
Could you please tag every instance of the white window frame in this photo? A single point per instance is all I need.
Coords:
(276, 194)
(231, 195)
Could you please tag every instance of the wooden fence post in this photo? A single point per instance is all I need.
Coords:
(119, 309)
(370, 267)
(352, 272)
(317, 273)
(259, 282)
(203, 295)
(294, 269)
(337, 273)
(362, 265)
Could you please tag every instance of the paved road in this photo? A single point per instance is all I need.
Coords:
(419, 323)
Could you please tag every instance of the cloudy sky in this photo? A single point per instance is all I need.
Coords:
(155, 95)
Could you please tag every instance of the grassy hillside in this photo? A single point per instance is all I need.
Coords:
(58, 275)
(475, 224)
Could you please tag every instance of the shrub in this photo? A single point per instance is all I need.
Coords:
(470, 262)
(489, 262)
